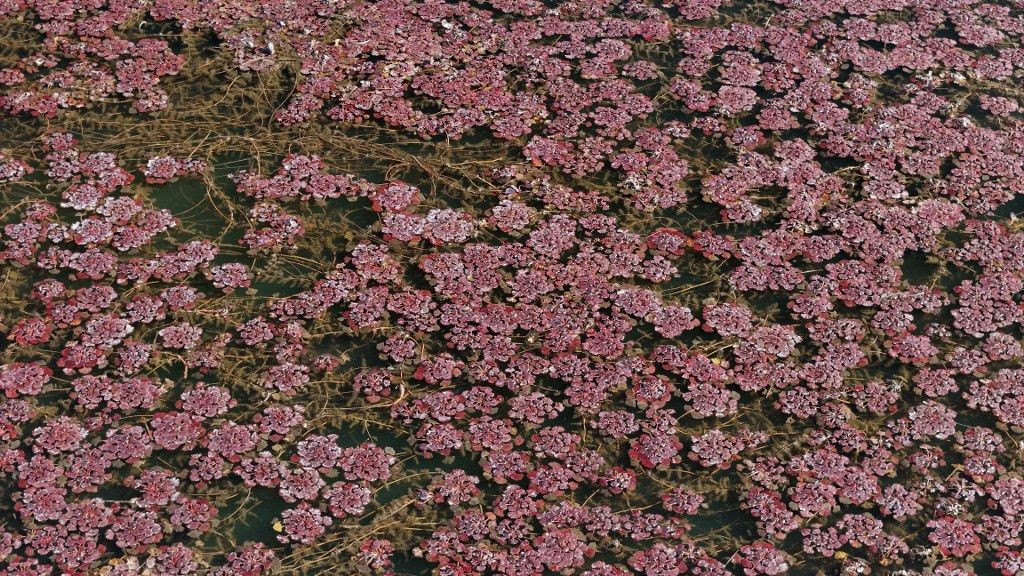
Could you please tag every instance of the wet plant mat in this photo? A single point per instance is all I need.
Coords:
(518, 288)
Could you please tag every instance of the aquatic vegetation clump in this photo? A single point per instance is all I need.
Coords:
(516, 287)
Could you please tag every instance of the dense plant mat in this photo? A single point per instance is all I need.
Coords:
(597, 288)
